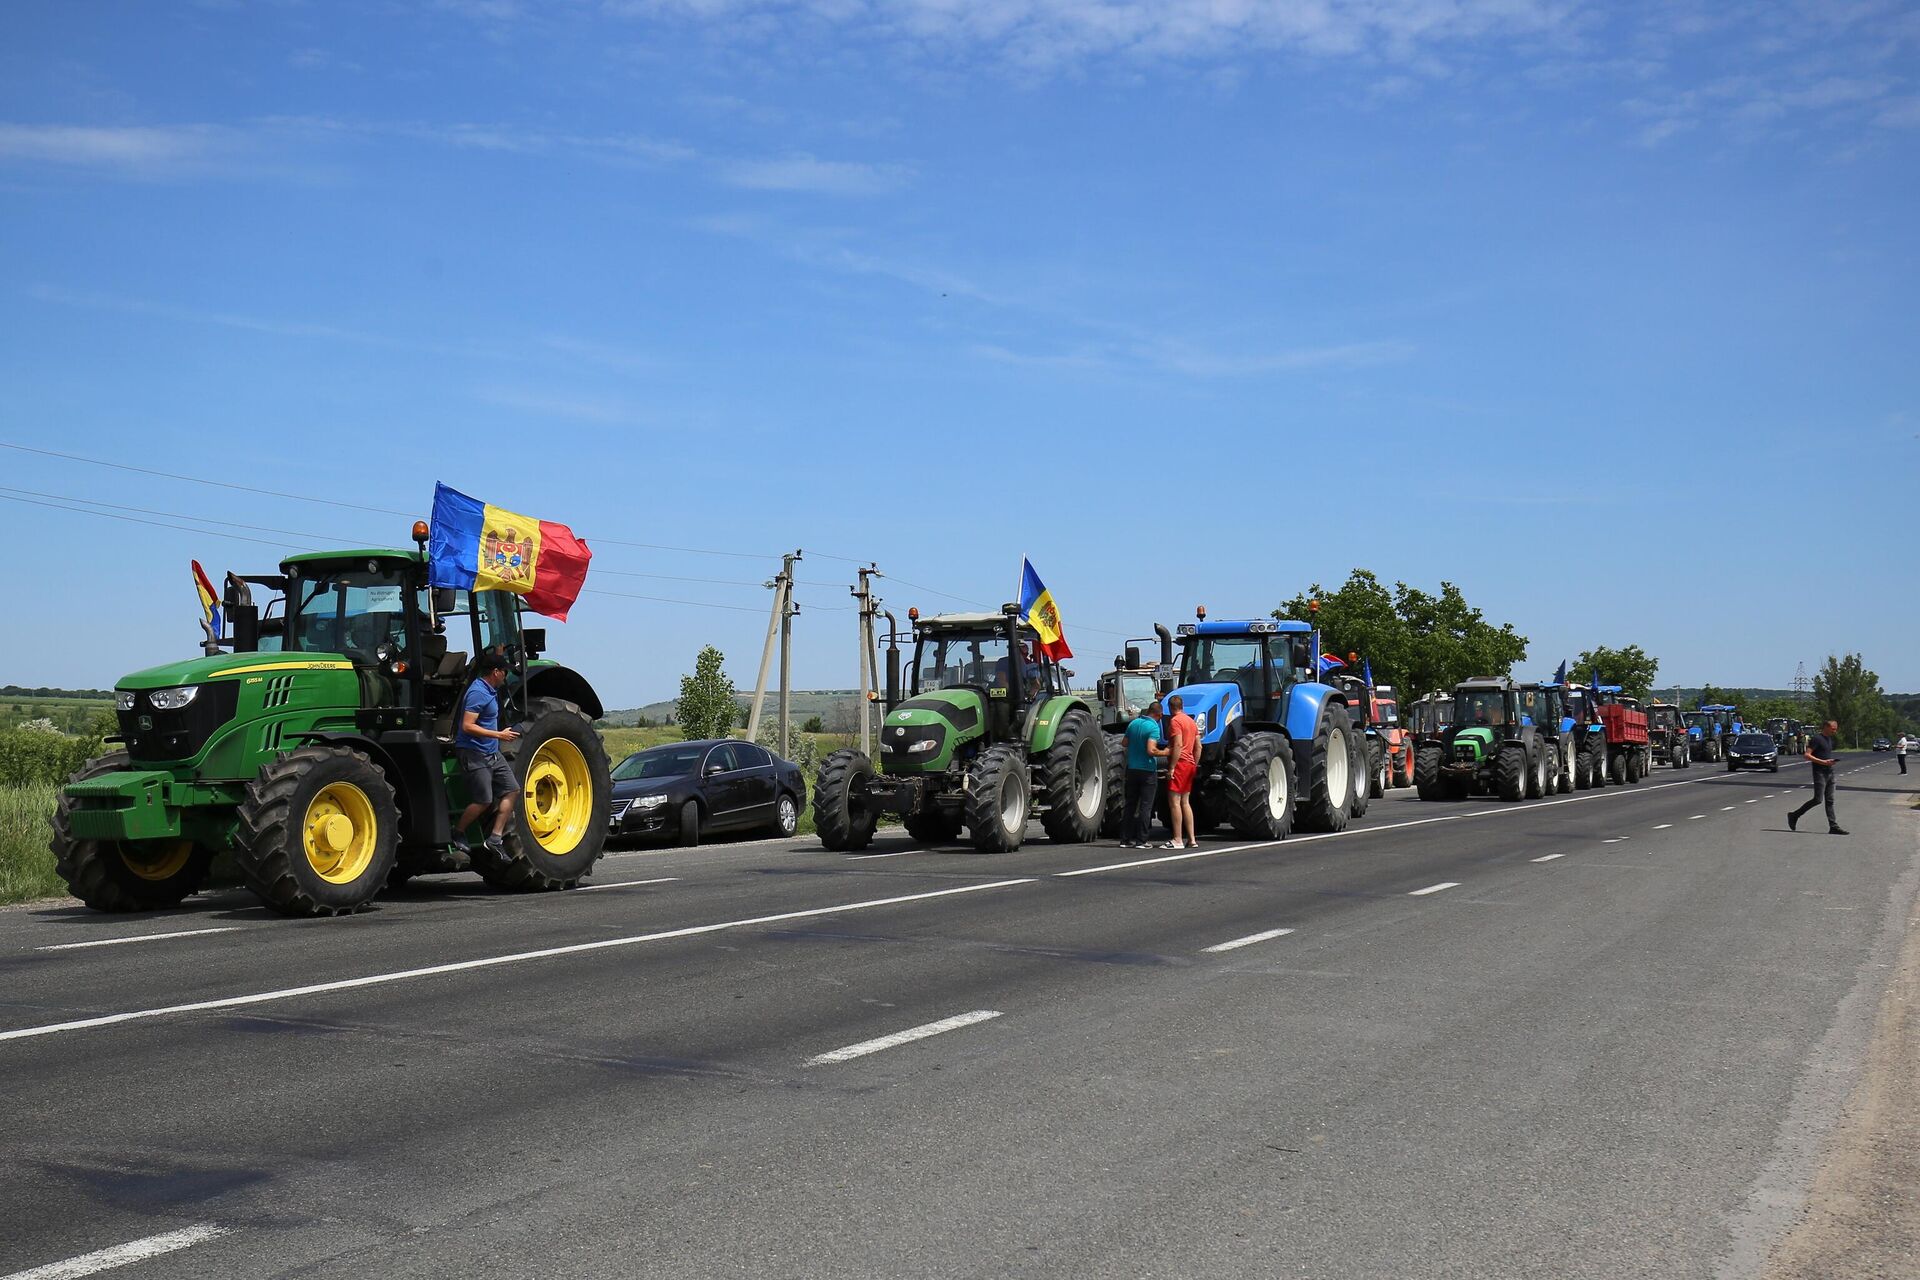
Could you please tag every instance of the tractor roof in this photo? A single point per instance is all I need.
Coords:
(963, 622)
(1250, 626)
(364, 553)
(1486, 682)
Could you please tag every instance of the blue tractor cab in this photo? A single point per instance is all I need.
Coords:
(1271, 728)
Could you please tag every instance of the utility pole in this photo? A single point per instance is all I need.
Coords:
(869, 677)
(786, 657)
(779, 630)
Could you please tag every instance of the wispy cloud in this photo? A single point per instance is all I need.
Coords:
(802, 172)
(150, 152)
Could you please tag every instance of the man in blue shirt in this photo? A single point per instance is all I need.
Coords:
(491, 786)
(1144, 751)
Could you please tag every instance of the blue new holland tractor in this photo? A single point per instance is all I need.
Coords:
(1277, 742)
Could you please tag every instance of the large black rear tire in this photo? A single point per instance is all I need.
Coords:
(109, 875)
(842, 814)
(1426, 773)
(1377, 782)
(1113, 807)
(318, 831)
(1510, 772)
(1075, 780)
(999, 799)
(560, 822)
(1582, 770)
(1325, 810)
(1260, 787)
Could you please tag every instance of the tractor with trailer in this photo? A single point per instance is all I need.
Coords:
(1629, 754)
(1277, 743)
(1582, 717)
(1489, 749)
(321, 760)
(1667, 735)
(988, 736)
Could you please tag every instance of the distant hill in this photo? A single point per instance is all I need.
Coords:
(835, 707)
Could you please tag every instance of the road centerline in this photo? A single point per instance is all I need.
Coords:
(1235, 944)
(138, 937)
(899, 1038)
(1434, 888)
(121, 1255)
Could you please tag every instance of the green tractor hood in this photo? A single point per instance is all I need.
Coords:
(1479, 739)
(922, 733)
(200, 670)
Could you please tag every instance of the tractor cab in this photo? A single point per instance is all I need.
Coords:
(1242, 670)
(1429, 715)
(1132, 683)
(1488, 704)
(980, 668)
(1663, 716)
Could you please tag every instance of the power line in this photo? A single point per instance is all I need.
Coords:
(217, 484)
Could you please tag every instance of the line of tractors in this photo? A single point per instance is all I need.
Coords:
(313, 745)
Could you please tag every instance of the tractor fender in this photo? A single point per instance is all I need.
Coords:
(411, 761)
(1043, 720)
(1217, 705)
(1306, 706)
(550, 680)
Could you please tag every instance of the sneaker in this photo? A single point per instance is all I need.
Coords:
(1793, 822)
(498, 848)
(1838, 831)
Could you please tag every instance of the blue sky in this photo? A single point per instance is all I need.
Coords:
(1604, 312)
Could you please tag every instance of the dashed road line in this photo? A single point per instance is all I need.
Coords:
(899, 1038)
(1696, 817)
(488, 962)
(139, 937)
(121, 1255)
(1550, 857)
(1249, 940)
(1434, 888)
(1663, 826)
(626, 884)
(1726, 808)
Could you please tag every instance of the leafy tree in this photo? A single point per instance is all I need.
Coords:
(1845, 690)
(706, 706)
(1415, 640)
(813, 725)
(1714, 695)
(1631, 668)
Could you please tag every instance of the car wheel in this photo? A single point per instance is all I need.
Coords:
(786, 815)
(690, 822)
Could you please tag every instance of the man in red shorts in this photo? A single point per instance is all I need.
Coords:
(1183, 736)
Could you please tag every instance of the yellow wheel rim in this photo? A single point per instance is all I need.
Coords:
(559, 797)
(339, 833)
(162, 860)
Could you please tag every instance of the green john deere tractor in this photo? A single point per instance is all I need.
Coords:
(989, 736)
(318, 752)
(1488, 748)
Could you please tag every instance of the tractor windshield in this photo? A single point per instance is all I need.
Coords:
(1536, 707)
(1702, 720)
(1232, 660)
(1388, 710)
(947, 661)
(1480, 706)
(346, 609)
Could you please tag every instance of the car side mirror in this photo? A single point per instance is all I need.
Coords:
(714, 770)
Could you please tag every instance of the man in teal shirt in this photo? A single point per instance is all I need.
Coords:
(1144, 751)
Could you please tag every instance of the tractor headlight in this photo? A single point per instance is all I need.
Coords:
(173, 699)
(923, 746)
(649, 802)
(125, 700)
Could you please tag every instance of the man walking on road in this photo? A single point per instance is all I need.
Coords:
(1183, 736)
(1900, 752)
(491, 787)
(1143, 778)
(1820, 755)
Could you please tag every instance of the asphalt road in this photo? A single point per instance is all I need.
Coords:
(1603, 1035)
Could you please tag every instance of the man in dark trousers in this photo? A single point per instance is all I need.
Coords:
(1820, 755)
(491, 786)
(1144, 752)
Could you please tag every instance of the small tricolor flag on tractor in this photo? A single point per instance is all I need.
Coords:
(209, 601)
(1038, 611)
(477, 546)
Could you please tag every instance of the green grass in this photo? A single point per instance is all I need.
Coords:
(26, 864)
(69, 715)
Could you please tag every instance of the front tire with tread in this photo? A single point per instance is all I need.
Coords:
(842, 814)
(270, 844)
(101, 874)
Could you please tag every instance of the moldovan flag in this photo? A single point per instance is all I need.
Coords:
(1038, 611)
(477, 546)
(209, 601)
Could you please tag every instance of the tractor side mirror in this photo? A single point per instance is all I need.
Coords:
(1133, 657)
(445, 599)
(534, 641)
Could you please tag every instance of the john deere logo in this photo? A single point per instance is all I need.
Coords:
(146, 722)
(899, 733)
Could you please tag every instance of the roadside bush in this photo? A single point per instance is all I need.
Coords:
(36, 757)
(26, 864)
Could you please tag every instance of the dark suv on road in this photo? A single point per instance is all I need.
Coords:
(1753, 751)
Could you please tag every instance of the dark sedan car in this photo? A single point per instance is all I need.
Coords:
(685, 789)
(1746, 751)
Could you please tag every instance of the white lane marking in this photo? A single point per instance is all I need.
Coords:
(899, 1038)
(1550, 857)
(1434, 888)
(1726, 808)
(1663, 826)
(898, 853)
(1696, 817)
(1755, 800)
(1531, 806)
(121, 1255)
(488, 962)
(1615, 840)
(140, 937)
(626, 884)
(1249, 940)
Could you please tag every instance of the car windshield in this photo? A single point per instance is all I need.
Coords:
(1753, 742)
(346, 610)
(1479, 706)
(950, 660)
(676, 761)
